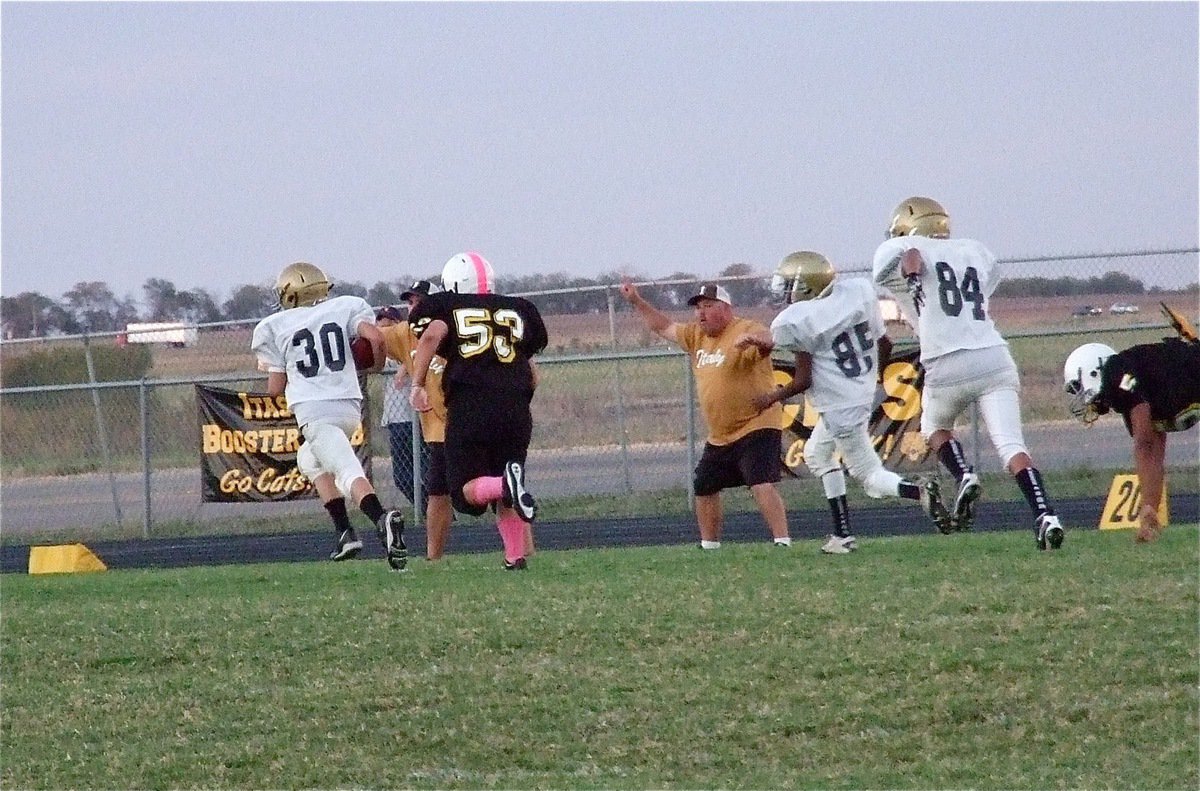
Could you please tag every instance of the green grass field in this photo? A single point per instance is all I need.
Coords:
(967, 661)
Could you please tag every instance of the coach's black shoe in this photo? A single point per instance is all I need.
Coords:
(347, 547)
(1049, 532)
(517, 565)
(391, 533)
(515, 495)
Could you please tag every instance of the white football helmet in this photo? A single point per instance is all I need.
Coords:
(468, 273)
(919, 216)
(301, 284)
(801, 276)
(1083, 373)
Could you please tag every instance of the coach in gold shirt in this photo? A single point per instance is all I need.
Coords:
(743, 443)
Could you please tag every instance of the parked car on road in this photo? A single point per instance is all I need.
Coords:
(1086, 310)
(1123, 307)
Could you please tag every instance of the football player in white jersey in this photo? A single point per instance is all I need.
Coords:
(305, 349)
(943, 286)
(835, 330)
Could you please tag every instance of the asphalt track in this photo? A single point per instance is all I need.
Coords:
(1079, 514)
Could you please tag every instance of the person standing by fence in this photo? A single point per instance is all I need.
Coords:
(398, 417)
(744, 441)
(401, 345)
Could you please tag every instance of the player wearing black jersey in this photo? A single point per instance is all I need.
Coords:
(487, 340)
(1155, 387)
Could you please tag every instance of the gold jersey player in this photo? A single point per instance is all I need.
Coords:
(488, 341)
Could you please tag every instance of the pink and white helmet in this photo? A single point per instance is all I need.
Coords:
(468, 273)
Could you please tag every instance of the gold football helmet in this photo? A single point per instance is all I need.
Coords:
(301, 284)
(801, 276)
(920, 217)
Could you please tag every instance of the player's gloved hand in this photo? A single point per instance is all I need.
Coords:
(1149, 528)
(916, 291)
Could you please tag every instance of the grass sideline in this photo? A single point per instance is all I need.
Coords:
(924, 662)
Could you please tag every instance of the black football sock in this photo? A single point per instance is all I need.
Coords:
(337, 512)
(1030, 481)
(952, 458)
(841, 516)
(371, 507)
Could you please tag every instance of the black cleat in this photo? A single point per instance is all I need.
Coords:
(391, 533)
(348, 546)
(969, 490)
(515, 495)
(517, 565)
(931, 504)
(1049, 532)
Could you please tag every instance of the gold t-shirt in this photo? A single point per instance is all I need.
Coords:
(727, 378)
(401, 346)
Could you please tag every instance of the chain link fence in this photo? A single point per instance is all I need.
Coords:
(92, 437)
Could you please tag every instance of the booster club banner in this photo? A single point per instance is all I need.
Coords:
(895, 425)
(248, 445)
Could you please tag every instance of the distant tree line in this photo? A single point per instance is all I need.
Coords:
(91, 306)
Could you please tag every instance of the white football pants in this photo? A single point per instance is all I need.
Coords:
(327, 448)
(999, 406)
(846, 431)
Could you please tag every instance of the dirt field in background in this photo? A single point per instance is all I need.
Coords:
(227, 350)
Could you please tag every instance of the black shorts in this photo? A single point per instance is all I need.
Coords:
(749, 461)
(485, 429)
(437, 482)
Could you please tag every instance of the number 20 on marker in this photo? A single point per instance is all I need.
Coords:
(1124, 501)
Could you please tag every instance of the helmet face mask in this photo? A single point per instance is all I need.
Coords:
(802, 276)
(301, 284)
(1083, 376)
(919, 216)
(468, 273)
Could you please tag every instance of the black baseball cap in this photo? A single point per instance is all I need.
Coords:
(389, 312)
(422, 287)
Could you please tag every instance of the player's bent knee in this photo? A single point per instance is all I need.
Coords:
(1009, 451)
(464, 506)
(819, 463)
(306, 462)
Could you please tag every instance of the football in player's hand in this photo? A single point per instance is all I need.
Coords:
(364, 357)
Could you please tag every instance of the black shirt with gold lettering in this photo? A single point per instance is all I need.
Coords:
(490, 340)
(1165, 375)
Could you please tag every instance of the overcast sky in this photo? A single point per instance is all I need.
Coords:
(212, 144)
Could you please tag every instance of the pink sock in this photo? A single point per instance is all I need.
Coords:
(483, 491)
(512, 533)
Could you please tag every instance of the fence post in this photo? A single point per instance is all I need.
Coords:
(100, 427)
(622, 429)
(143, 412)
(418, 468)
